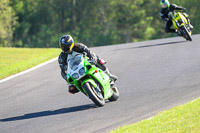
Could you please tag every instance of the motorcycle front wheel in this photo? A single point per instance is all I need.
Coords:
(94, 94)
(186, 32)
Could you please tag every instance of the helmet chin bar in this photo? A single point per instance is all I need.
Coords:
(68, 52)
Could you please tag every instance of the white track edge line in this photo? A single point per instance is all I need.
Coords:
(28, 70)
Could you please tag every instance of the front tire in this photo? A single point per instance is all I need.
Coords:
(188, 36)
(95, 96)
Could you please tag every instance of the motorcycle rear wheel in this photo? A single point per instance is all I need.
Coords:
(115, 95)
(95, 96)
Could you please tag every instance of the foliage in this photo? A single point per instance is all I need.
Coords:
(181, 119)
(7, 22)
(93, 22)
(23, 58)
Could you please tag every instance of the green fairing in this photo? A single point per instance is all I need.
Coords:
(181, 23)
(99, 76)
(105, 82)
(179, 16)
(75, 82)
(90, 81)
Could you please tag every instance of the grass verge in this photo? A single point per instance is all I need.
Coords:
(15, 60)
(181, 119)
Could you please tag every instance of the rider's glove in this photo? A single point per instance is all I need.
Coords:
(170, 14)
(166, 19)
(94, 58)
(184, 9)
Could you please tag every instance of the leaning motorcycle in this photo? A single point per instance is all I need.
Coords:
(182, 24)
(90, 80)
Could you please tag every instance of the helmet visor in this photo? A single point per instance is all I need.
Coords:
(164, 5)
(65, 46)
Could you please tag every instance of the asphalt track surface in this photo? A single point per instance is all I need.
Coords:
(153, 76)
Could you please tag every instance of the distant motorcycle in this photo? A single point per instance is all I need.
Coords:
(181, 23)
(90, 80)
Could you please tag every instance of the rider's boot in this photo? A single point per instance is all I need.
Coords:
(73, 89)
(178, 33)
(191, 26)
(112, 77)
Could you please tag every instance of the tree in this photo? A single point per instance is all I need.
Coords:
(7, 23)
(94, 22)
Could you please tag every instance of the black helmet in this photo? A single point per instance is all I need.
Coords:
(66, 43)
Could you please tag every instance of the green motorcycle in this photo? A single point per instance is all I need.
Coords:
(90, 80)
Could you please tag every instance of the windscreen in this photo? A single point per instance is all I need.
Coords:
(74, 62)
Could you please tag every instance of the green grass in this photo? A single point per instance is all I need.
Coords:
(15, 60)
(181, 119)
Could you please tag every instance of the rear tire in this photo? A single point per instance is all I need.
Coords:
(188, 36)
(115, 95)
(95, 96)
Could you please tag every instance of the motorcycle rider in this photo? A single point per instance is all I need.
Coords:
(166, 9)
(67, 45)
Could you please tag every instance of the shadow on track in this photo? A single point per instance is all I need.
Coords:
(153, 45)
(159, 44)
(50, 112)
